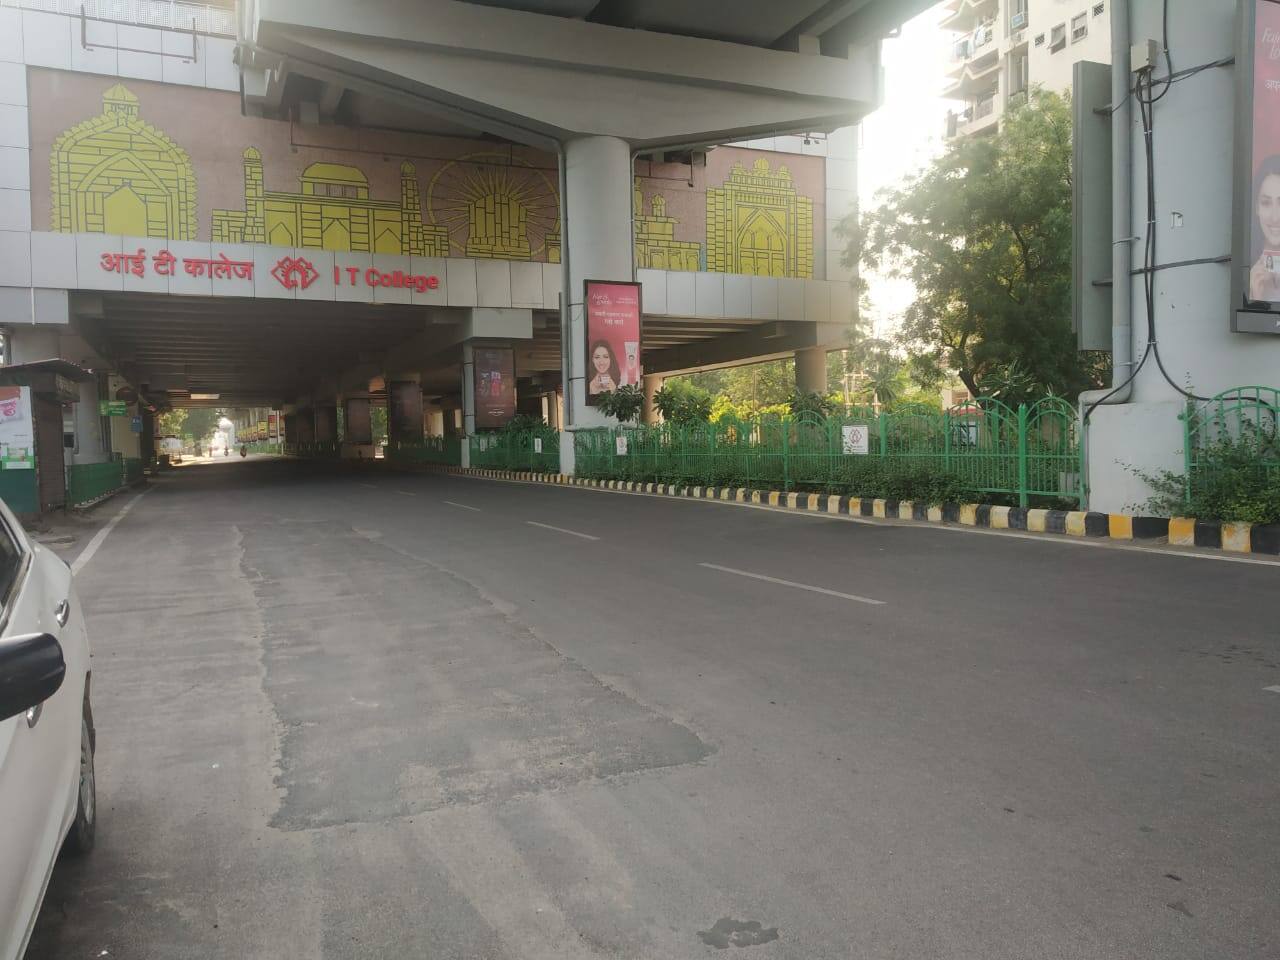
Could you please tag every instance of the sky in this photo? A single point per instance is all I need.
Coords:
(904, 134)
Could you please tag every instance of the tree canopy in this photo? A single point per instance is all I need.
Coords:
(984, 235)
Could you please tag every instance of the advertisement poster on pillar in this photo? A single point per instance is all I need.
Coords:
(1258, 216)
(613, 336)
(17, 430)
(495, 386)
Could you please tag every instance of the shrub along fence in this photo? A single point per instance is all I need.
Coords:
(1231, 445)
(534, 451)
(986, 447)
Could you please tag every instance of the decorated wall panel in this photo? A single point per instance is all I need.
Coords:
(152, 160)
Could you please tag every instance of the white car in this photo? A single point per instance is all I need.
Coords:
(47, 800)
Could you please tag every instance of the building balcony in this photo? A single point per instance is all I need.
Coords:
(965, 15)
(216, 19)
(974, 79)
(982, 115)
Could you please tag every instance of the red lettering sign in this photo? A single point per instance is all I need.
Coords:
(396, 279)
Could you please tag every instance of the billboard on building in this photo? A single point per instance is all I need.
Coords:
(613, 336)
(1256, 255)
(17, 429)
(495, 386)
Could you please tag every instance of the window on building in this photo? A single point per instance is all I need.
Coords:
(1079, 28)
(1019, 73)
(1039, 39)
(1058, 37)
(1017, 14)
(1099, 9)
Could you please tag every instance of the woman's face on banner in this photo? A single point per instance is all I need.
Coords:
(1269, 210)
(600, 356)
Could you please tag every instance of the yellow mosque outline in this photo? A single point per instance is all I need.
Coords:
(488, 201)
(331, 211)
(656, 246)
(758, 224)
(115, 173)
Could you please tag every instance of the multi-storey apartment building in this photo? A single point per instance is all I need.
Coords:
(1004, 47)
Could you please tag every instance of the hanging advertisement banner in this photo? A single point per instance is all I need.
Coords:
(358, 425)
(495, 386)
(17, 430)
(1256, 253)
(404, 411)
(613, 336)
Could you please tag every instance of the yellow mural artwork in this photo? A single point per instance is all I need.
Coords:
(115, 173)
(494, 209)
(656, 245)
(331, 211)
(758, 224)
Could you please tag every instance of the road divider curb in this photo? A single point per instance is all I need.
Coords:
(1178, 531)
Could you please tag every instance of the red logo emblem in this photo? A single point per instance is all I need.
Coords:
(294, 272)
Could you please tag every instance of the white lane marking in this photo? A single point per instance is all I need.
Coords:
(86, 555)
(1272, 689)
(371, 486)
(792, 583)
(405, 493)
(462, 505)
(572, 533)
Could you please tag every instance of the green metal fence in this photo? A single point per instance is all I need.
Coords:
(533, 451)
(441, 450)
(87, 482)
(1024, 452)
(1243, 422)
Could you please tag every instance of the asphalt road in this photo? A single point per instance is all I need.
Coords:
(366, 714)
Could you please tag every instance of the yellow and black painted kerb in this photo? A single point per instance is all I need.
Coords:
(1179, 531)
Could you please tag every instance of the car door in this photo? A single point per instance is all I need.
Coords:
(39, 750)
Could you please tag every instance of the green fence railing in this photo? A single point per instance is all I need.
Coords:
(446, 451)
(532, 451)
(87, 482)
(1023, 452)
(1242, 424)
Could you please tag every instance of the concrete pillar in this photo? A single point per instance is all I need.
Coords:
(29, 344)
(326, 423)
(598, 197)
(305, 422)
(652, 384)
(88, 423)
(811, 370)
(468, 401)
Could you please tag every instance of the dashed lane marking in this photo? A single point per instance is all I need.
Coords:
(462, 506)
(572, 533)
(792, 583)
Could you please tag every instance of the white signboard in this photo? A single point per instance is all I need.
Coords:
(537, 444)
(857, 438)
(17, 429)
(622, 444)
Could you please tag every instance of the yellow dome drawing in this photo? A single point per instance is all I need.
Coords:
(115, 173)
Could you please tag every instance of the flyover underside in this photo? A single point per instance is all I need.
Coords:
(194, 351)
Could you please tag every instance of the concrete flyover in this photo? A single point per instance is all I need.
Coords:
(338, 199)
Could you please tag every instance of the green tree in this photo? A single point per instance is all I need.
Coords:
(984, 235)
(680, 401)
(171, 423)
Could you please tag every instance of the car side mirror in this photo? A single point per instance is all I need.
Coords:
(31, 671)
